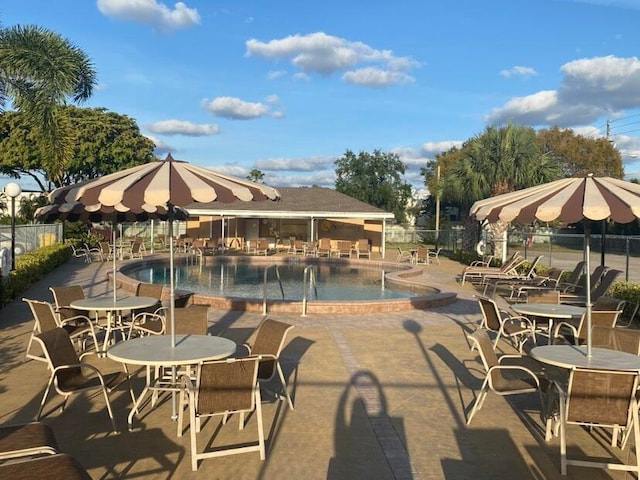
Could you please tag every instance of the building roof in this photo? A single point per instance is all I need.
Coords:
(296, 202)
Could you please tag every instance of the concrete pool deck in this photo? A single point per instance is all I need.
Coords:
(377, 396)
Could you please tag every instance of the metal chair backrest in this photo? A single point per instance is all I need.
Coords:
(604, 318)
(59, 351)
(604, 284)
(269, 340)
(64, 295)
(609, 303)
(490, 313)
(621, 339)
(543, 296)
(575, 275)
(43, 314)
(192, 320)
(600, 397)
(150, 290)
(485, 347)
(226, 386)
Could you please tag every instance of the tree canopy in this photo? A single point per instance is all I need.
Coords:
(104, 142)
(581, 155)
(375, 178)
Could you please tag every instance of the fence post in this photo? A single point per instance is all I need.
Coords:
(626, 270)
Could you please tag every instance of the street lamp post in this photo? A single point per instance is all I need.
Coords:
(12, 190)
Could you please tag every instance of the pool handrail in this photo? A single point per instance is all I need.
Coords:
(308, 278)
(264, 290)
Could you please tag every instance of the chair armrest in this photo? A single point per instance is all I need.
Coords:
(513, 367)
(559, 325)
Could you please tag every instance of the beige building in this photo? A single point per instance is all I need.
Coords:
(306, 213)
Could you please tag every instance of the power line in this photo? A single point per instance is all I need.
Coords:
(624, 118)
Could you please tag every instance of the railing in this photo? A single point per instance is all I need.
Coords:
(266, 278)
(308, 279)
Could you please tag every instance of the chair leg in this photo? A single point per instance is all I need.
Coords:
(260, 426)
(284, 384)
(192, 422)
(563, 437)
(44, 399)
(477, 405)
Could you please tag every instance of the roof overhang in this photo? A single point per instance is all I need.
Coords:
(221, 212)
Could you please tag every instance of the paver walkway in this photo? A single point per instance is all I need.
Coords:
(377, 396)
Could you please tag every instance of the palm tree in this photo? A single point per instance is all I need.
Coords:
(39, 71)
(500, 160)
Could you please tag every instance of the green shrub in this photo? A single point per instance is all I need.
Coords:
(31, 267)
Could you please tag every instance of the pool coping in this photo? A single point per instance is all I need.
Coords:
(410, 277)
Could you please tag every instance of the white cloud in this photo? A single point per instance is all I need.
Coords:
(591, 88)
(376, 77)
(272, 98)
(161, 148)
(235, 108)
(325, 54)
(518, 70)
(183, 127)
(151, 12)
(431, 149)
(230, 169)
(308, 164)
(276, 74)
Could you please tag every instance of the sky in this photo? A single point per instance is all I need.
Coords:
(287, 87)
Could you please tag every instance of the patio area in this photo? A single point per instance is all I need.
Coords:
(378, 396)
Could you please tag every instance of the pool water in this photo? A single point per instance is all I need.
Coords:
(246, 280)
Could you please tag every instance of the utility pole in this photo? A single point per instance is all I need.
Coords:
(438, 206)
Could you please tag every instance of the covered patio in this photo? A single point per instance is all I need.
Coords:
(376, 396)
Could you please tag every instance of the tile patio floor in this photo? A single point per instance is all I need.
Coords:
(377, 397)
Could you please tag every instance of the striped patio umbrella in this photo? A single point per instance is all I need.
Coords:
(568, 200)
(154, 189)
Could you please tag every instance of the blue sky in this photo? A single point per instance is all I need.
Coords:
(287, 87)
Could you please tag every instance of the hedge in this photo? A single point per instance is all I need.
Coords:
(31, 267)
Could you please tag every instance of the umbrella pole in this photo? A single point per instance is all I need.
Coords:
(113, 260)
(172, 311)
(587, 241)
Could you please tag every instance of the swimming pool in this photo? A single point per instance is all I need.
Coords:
(246, 280)
(399, 288)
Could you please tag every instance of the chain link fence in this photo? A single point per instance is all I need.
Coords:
(560, 250)
(30, 237)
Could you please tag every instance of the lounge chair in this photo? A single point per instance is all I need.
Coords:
(323, 247)
(517, 329)
(597, 291)
(343, 248)
(268, 342)
(27, 440)
(221, 388)
(550, 282)
(522, 373)
(362, 248)
(604, 398)
(478, 273)
(71, 374)
(492, 279)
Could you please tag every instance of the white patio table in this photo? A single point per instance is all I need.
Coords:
(113, 308)
(548, 311)
(570, 356)
(156, 351)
